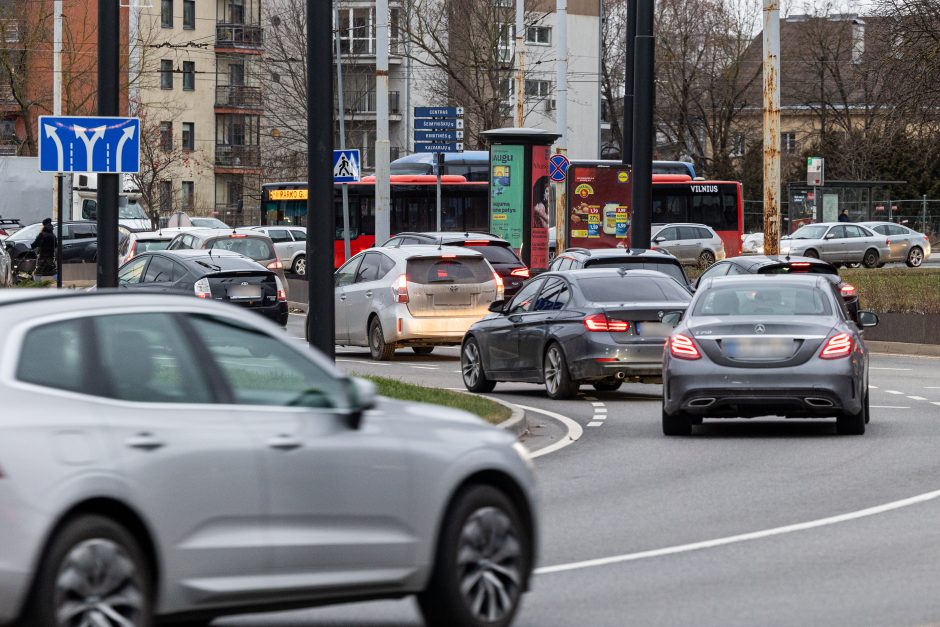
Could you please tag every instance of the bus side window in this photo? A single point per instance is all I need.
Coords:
(730, 209)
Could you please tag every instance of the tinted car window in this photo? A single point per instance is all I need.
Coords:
(161, 270)
(458, 270)
(252, 247)
(347, 273)
(385, 265)
(133, 271)
(524, 300)
(813, 231)
(855, 231)
(145, 358)
(837, 232)
(668, 234)
(263, 371)
(752, 299)
(898, 230)
(813, 268)
(669, 268)
(719, 269)
(81, 231)
(369, 270)
(300, 236)
(498, 254)
(395, 242)
(553, 296)
(882, 228)
(689, 232)
(52, 356)
(627, 289)
(147, 245)
(279, 235)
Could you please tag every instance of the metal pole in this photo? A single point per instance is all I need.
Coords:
(626, 149)
(772, 128)
(561, 65)
(57, 93)
(600, 63)
(109, 185)
(644, 96)
(321, 218)
(60, 218)
(342, 129)
(924, 221)
(438, 167)
(520, 63)
(383, 224)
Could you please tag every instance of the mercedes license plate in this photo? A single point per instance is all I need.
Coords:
(758, 348)
(244, 292)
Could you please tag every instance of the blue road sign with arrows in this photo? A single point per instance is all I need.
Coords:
(438, 112)
(438, 147)
(439, 125)
(89, 144)
(438, 136)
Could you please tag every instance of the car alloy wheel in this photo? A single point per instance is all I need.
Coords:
(870, 260)
(98, 584)
(915, 257)
(706, 259)
(380, 350)
(489, 564)
(812, 254)
(300, 266)
(471, 368)
(558, 383)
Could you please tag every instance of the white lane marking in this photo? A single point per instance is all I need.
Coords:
(898, 369)
(600, 410)
(590, 398)
(917, 398)
(930, 387)
(935, 403)
(894, 392)
(889, 407)
(597, 404)
(574, 431)
(362, 361)
(595, 424)
(743, 537)
(874, 387)
(425, 367)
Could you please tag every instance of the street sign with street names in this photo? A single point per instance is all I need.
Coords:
(346, 166)
(89, 144)
(438, 147)
(438, 136)
(438, 112)
(439, 125)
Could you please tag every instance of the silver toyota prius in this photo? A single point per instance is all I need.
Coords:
(172, 458)
(752, 346)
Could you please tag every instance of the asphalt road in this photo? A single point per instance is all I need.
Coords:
(746, 522)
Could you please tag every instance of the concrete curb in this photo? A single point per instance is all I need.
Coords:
(517, 422)
(903, 348)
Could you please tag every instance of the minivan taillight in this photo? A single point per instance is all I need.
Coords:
(281, 292)
(848, 291)
(202, 288)
(500, 288)
(400, 289)
(600, 322)
(837, 347)
(521, 272)
(276, 265)
(683, 347)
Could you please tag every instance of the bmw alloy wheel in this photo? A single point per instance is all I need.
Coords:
(489, 564)
(97, 585)
(470, 364)
(553, 366)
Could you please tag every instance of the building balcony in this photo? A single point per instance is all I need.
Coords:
(230, 156)
(359, 105)
(238, 97)
(239, 36)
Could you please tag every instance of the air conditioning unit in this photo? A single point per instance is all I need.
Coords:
(550, 104)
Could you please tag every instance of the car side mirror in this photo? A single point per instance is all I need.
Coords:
(830, 235)
(867, 319)
(672, 318)
(659, 240)
(363, 395)
(498, 306)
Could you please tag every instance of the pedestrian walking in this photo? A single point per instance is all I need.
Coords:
(45, 246)
(844, 216)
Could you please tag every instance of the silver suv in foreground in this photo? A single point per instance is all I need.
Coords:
(166, 457)
(417, 296)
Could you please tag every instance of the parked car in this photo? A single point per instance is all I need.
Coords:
(691, 244)
(79, 244)
(752, 244)
(256, 246)
(290, 242)
(496, 250)
(417, 296)
(904, 244)
(773, 346)
(597, 326)
(139, 242)
(784, 266)
(631, 258)
(9, 226)
(210, 274)
(837, 243)
(200, 456)
(208, 223)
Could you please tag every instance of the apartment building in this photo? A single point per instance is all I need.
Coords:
(199, 89)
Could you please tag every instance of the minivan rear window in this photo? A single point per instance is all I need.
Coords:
(252, 247)
(459, 270)
(627, 289)
(669, 268)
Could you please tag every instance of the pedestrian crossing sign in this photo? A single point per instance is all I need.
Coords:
(346, 166)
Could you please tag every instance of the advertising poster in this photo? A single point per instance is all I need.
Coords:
(599, 206)
(541, 206)
(507, 192)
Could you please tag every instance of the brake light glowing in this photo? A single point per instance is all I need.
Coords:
(202, 288)
(523, 272)
(237, 236)
(837, 347)
(600, 322)
(848, 291)
(476, 242)
(500, 288)
(400, 289)
(448, 256)
(281, 292)
(800, 264)
(276, 265)
(683, 347)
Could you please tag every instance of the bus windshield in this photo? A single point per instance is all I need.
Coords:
(130, 210)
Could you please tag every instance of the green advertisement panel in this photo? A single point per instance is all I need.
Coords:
(507, 193)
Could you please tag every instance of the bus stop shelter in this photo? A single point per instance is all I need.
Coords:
(865, 201)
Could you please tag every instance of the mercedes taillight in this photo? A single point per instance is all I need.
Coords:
(837, 347)
(683, 347)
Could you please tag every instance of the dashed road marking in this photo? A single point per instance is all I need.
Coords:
(368, 363)
(889, 407)
(590, 398)
(935, 403)
(600, 410)
(897, 369)
(894, 392)
(917, 398)
(873, 387)
(425, 367)
(597, 404)
(596, 423)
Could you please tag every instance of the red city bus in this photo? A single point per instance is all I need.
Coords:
(413, 207)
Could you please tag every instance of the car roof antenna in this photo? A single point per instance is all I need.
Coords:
(440, 242)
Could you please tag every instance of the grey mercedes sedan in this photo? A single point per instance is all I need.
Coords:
(162, 456)
(766, 346)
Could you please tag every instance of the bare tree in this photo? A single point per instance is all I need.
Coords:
(613, 59)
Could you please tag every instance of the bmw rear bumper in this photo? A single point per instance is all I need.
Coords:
(596, 357)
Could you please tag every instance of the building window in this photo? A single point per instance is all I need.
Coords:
(503, 4)
(166, 74)
(189, 14)
(788, 143)
(538, 35)
(189, 193)
(189, 139)
(538, 89)
(166, 13)
(166, 136)
(166, 196)
(236, 75)
(505, 48)
(189, 75)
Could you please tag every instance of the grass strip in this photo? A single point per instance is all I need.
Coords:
(896, 290)
(486, 409)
